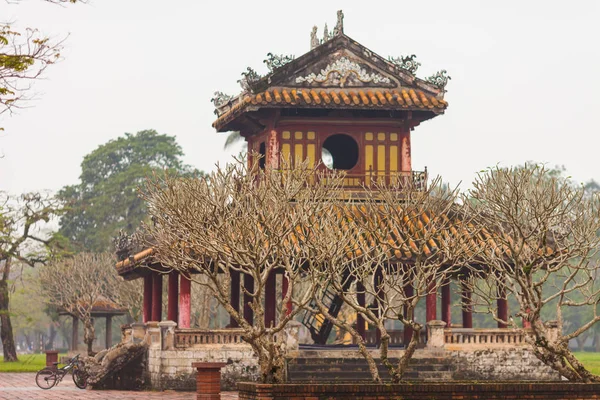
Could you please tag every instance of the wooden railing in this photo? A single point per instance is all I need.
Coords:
(401, 180)
(185, 338)
(485, 337)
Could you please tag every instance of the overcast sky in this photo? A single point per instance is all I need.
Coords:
(525, 77)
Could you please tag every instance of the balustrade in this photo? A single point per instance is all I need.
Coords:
(185, 338)
(485, 337)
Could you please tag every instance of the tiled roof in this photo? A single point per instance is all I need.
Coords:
(403, 231)
(385, 99)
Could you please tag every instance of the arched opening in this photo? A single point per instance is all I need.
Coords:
(339, 151)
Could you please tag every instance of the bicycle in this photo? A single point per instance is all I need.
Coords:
(49, 377)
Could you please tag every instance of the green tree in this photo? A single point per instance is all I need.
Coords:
(24, 56)
(106, 198)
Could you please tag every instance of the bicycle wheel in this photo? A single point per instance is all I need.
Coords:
(46, 378)
(80, 379)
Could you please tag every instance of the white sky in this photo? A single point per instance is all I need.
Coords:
(525, 77)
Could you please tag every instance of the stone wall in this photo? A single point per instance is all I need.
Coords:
(172, 369)
(500, 364)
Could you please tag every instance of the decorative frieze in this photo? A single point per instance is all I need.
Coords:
(338, 73)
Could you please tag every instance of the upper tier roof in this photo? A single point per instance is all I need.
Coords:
(339, 73)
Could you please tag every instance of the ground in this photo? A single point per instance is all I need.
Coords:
(21, 386)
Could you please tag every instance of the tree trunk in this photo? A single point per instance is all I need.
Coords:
(597, 341)
(89, 334)
(6, 330)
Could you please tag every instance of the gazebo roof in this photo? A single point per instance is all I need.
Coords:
(337, 73)
(101, 308)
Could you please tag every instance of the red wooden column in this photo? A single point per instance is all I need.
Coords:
(405, 158)
(173, 297)
(185, 302)
(285, 284)
(270, 299)
(446, 302)
(360, 320)
(431, 303)
(234, 296)
(408, 331)
(467, 307)
(147, 297)
(157, 296)
(248, 288)
(502, 307)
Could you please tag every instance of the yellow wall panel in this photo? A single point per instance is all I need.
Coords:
(310, 154)
(393, 158)
(286, 134)
(381, 136)
(298, 135)
(368, 162)
(381, 158)
(298, 153)
(286, 153)
(393, 137)
(369, 136)
(311, 135)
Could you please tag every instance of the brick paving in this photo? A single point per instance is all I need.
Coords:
(21, 386)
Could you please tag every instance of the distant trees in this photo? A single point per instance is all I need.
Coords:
(106, 199)
(541, 248)
(22, 242)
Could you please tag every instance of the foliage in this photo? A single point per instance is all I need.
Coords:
(541, 247)
(106, 199)
(24, 57)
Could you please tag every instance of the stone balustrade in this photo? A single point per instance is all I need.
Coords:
(190, 338)
(485, 337)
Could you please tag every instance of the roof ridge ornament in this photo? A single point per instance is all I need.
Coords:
(407, 63)
(275, 61)
(250, 77)
(339, 26)
(439, 79)
(337, 30)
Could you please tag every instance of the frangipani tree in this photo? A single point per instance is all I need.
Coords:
(241, 220)
(542, 239)
(402, 246)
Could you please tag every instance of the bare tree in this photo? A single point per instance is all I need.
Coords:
(77, 284)
(21, 241)
(541, 243)
(129, 295)
(404, 245)
(242, 221)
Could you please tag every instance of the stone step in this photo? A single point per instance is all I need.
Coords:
(356, 369)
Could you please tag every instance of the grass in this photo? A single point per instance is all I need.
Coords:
(35, 362)
(26, 363)
(590, 360)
